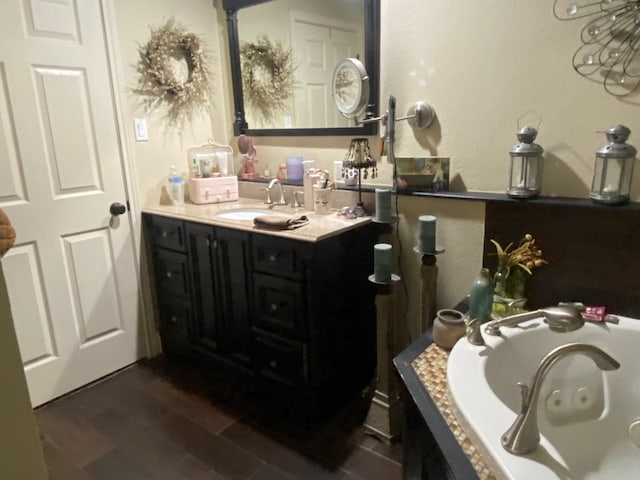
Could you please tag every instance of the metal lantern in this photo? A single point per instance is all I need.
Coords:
(525, 174)
(614, 168)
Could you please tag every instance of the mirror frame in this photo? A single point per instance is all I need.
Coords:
(371, 61)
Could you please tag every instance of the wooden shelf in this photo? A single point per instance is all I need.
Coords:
(542, 200)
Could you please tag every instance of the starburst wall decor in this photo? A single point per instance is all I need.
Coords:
(610, 41)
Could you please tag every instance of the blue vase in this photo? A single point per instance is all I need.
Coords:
(481, 296)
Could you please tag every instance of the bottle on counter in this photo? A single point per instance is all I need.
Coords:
(481, 296)
(176, 187)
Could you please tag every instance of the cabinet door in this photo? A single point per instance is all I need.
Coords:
(207, 327)
(175, 318)
(233, 266)
(172, 273)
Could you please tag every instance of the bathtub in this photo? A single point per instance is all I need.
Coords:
(589, 420)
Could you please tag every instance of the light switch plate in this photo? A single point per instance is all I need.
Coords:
(140, 127)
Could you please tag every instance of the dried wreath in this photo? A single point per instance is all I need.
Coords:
(160, 83)
(267, 76)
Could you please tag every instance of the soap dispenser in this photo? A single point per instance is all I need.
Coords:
(311, 177)
(481, 297)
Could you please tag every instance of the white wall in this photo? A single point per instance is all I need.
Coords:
(165, 147)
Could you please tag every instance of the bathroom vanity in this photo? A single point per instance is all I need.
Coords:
(290, 312)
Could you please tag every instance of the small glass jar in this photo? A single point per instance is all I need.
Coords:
(448, 327)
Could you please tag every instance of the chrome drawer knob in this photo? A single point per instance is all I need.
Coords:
(274, 307)
(165, 234)
(273, 364)
(272, 257)
(169, 275)
(174, 319)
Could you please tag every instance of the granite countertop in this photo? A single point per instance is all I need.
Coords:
(318, 228)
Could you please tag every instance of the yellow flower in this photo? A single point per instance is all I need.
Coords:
(526, 255)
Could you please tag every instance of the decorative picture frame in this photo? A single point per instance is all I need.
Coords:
(422, 174)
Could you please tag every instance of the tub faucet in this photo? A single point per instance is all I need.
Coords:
(524, 436)
(560, 319)
(269, 200)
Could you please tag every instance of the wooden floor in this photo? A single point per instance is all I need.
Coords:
(152, 421)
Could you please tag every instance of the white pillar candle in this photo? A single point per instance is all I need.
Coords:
(427, 233)
(383, 205)
(382, 262)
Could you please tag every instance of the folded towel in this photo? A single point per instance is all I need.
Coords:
(281, 222)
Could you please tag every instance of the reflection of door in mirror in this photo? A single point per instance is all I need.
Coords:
(320, 35)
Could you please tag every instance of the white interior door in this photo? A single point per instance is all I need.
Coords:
(319, 44)
(71, 276)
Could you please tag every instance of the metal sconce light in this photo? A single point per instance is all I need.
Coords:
(525, 173)
(614, 168)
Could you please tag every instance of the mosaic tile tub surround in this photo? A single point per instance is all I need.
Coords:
(431, 368)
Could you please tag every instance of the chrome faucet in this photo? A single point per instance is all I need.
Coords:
(560, 319)
(269, 200)
(524, 436)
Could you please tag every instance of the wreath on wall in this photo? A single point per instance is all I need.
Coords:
(173, 72)
(267, 76)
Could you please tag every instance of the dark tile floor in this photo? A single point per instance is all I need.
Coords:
(152, 421)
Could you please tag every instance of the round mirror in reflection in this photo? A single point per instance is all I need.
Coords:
(350, 87)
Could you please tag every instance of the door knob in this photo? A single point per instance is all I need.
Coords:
(117, 208)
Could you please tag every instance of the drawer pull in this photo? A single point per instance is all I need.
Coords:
(273, 364)
(273, 257)
(169, 274)
(165, 234)
(174, 319)
(274, 307)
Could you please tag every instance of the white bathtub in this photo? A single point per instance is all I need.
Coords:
(584, 414)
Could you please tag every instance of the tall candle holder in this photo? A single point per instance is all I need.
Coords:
(428, 270)
(384, 420)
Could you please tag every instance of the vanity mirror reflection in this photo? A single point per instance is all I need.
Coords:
(283, 54)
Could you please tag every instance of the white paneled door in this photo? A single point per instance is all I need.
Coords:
(71, 276)
(321, 43)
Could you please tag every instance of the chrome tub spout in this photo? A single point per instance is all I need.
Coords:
(524, 436)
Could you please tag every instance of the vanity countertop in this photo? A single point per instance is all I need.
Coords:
(318, 228)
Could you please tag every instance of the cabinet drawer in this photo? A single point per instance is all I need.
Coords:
(171, 271)
(169, 233)
(279, 304)
(175, 322)
(279, 359)
(277, 256)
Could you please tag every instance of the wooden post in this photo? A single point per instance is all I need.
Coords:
(429, 275)
(384, 419)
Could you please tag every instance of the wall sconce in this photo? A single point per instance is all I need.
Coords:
(614, 168)
(525, 174)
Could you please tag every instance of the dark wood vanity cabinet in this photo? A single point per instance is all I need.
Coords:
(294, 318)
(219, 259)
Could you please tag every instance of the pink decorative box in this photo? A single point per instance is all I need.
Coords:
(213, 189)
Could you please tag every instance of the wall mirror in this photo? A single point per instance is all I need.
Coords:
(283, 54)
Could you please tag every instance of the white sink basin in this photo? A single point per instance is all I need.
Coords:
(244, 213)
(585, 416)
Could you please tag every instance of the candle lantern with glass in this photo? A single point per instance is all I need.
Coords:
(614, 168)
(525, 174)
